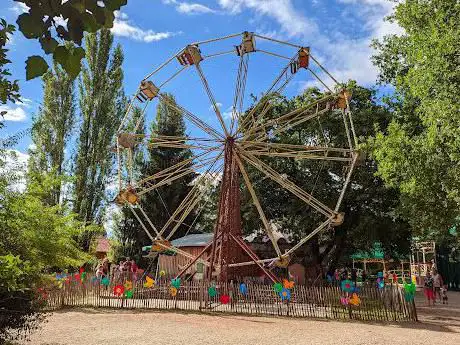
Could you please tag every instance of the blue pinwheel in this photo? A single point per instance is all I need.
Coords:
(243, 289)
(285, 294)
(347, 286)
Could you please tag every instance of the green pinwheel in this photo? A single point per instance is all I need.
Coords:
(176, 283)
(212, 292)
(278, 287)
(409, 291)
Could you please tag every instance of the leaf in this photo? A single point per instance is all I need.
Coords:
(69, 59)
(31, 26)
(48, 44)
(75, 28)
(89, 23)
(36, 66)
(115, 4)
(61, 55)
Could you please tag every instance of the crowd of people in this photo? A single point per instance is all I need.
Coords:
(126, 269)
(434, 288)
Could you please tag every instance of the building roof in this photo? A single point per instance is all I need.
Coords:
(193, 240)
(103, 245)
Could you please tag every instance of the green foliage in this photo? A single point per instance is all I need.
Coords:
(9, 90)
(35, 237)
(35, 67)
(102, 106)
(419, 152)
(14, 274)
(41, 22)
(51, 131)
(371, 210)
(163, 201)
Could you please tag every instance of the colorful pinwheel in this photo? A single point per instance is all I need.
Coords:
(149, 282)
(224, 299)
(118, 290)
(212, 292)
(128, 285)
(285, 294)
(288, 284)
(175, 282)
(380, 283)
(354, 300)
(277, 287)
(129, 294)
(162, 273)
(243, 289)
(344, 300)
(409, 291)
(347, 285)
(105, 281)
(173, 291)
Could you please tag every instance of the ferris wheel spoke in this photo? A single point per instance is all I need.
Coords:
(167, 178)
(128, 140)
(321, 227)
(238, 100)
(297, 151)
(191, 117)
(192, 198)
(264, 105)
(256, 202)
(211, 98)
(291, 119)
(287, 184)
(186, 163)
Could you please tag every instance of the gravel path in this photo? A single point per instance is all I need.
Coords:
(439, 325)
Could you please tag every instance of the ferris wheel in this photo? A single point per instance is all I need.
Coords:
(226, 153)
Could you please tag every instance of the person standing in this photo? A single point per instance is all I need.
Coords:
(437, 284)
(428, 289)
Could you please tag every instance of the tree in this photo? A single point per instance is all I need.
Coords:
(43, 23)
(35, 237)
(370, 208)
(52, 129)
(419, 151)
(9, 90)
(160, 203)
(102, 106)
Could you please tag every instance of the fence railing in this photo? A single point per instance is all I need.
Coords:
(386, 304)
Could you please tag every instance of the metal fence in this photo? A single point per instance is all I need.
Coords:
(370, 303)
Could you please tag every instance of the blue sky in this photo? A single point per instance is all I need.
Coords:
(338, 32)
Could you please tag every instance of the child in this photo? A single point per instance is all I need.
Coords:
(428, 287)
(444, 294)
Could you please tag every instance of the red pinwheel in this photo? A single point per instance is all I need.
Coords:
(118, 290)
(224, 299)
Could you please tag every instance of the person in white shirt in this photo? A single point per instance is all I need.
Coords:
(437, 283)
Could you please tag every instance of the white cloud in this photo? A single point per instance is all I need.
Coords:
(16, 167)
(229, 114)
(192, 8)
(219, 105)
(16, 114)
(292, 22)
(189, 8)
(19, 7)
(344, 55)
(122, 27)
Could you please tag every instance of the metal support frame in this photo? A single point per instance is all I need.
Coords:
(243, 144)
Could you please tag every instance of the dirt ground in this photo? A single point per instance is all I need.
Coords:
(438, 325)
